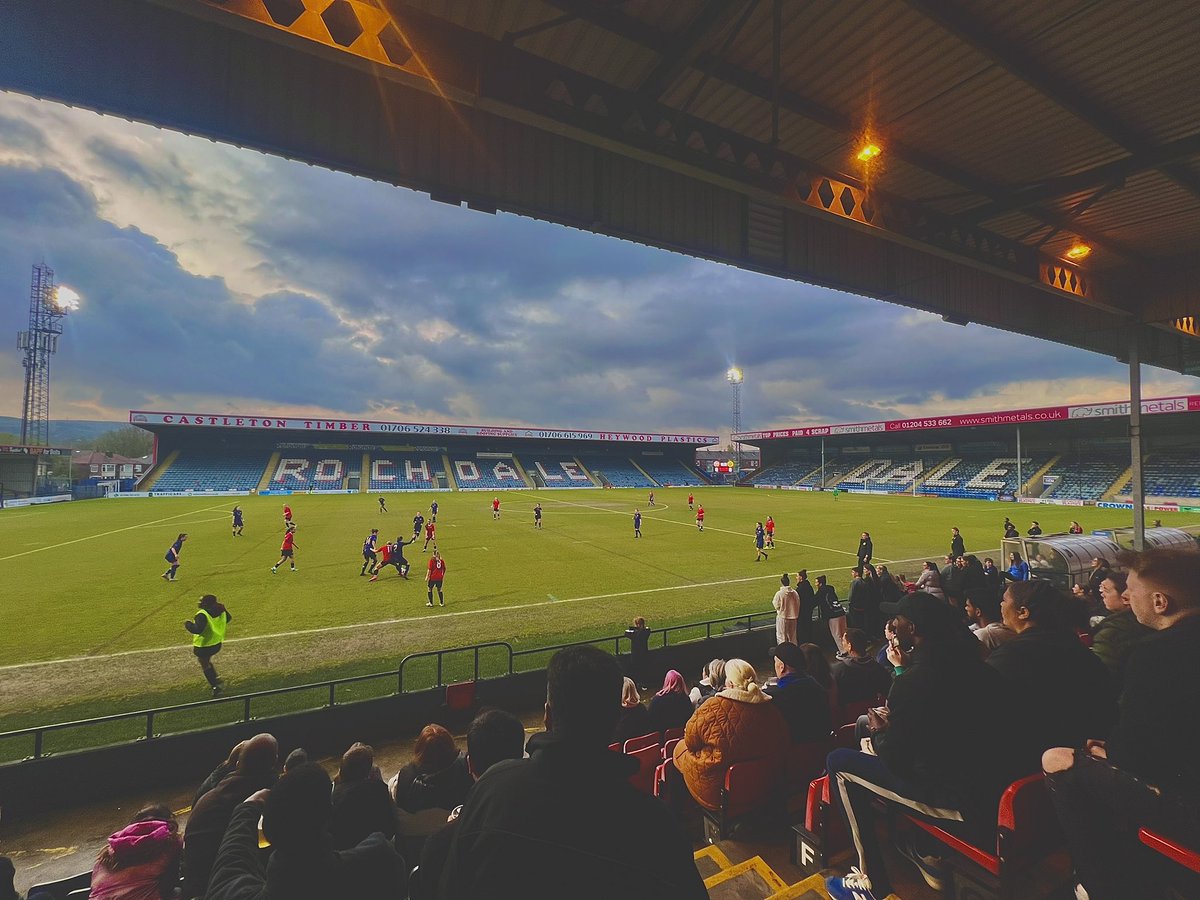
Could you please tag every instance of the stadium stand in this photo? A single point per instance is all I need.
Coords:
(980, 476)
(194, 471)
(560, 471)
(486, 473)
(404, 472)
(836, 468)
(1084, 477)
(786, 473)
(617, 471)
(315, 471)
(892, 474)
(1175, 474)
(670, 472)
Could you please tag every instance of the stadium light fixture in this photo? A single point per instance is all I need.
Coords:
(66, 299)
(868, 152)
(734, 375)
(1079, 251)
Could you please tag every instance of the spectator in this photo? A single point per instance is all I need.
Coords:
(891, 588)
(639, 643)
(1075, 528)
(930, 580)
(493, 737)
(635, 718)
(296, 758)
(972, 582)
(859, 677)
(713, 680)
(858, 599)
(808, 605)
(296, 816)
(787, 612)
(1099, 571)
(671, 707)
(141, 861)
(1010, 530)
(816, 666)
(1148, 772)
(8, 874)
(566, 820)
(945, 750)
(995, 578)
(866, 549)
(740, 723)
(957, 546)
(437, 777)
(361, 803)
(1119, 632)
(803, 703)
(257, 768)
(1018, 569)
(218, 774)
(988, 622)
(949, 578)
(832, 610)
(1066, 695)
(1034, 529)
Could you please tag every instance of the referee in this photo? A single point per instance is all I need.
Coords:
(208, 632)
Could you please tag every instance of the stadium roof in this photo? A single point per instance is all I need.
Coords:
(324, 427)
(1009, 131)
(1088, 411)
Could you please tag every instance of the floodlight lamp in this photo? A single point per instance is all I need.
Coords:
(1079, 251)
(734, 375)
(868, 152)
(65, 299)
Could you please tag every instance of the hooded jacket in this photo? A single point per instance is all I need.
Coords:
(732, 727)
(147, 854)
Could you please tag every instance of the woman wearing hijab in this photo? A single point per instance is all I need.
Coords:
(141, 861)
(671, 707)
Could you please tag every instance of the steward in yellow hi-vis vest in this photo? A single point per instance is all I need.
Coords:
(208, 633)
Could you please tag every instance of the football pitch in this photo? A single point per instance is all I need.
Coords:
(91, 628)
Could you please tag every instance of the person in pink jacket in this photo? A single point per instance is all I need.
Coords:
(141, 861)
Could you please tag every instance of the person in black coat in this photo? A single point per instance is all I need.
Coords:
(866, 550)
(957, 546)
(671, 707)
(639, 643)
(808, 605)
(437, 777)
(361, 803)
(1065, 691)
(635, 718)
(858, 598)
(803, 702)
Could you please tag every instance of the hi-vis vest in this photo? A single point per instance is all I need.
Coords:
(214, 630)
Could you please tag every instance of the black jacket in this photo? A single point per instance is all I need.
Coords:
(634, 722)
(808, 602)
(861, 679)
(957, 546)
(951, 736)
(370, 871)
(805, 707)
(446, 789)
(361, 808)
(669, 711)
(1063, 689)
(827, 601)
(866, 550)
(206, 827)
(567, 823)
(1157, 733)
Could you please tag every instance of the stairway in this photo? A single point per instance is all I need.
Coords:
(1119, 485)
(751, 879)
(148, 480)
(264, 483)
(1034, 487)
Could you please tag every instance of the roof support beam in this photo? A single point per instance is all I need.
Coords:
(962, 24)
(688, 44)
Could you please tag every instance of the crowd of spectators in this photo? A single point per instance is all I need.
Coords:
(986, 681)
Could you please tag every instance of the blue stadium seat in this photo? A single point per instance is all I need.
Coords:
(1085, 476)
(404, 471)
(561, 471)
(312, 470)
(785, 473)
(672, 472)
(616, 470)
(475, 473)
(1174, 474)
(982, 477)
(196, 471)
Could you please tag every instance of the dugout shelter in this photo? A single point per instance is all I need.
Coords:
(25, 474)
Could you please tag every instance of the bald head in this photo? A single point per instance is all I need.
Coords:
(259, 755)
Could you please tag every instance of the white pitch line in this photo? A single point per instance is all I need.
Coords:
(93, 537)
(307, 631)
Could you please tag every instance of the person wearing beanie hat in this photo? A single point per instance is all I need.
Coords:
(141, 861)
(803, 703)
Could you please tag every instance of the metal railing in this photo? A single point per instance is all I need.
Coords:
(244, 705)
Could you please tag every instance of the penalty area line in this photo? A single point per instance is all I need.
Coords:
(303, 632)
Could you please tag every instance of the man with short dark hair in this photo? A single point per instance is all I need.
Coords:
(957, 546)
(859, 676)
(808, 605)
(987, 622)
(1147, 774)
(803, 703)
(296, 815)
(566, 822)
(494, 736)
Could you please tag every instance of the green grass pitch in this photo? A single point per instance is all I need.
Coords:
(91, 628)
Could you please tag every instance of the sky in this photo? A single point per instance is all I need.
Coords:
(221, 280)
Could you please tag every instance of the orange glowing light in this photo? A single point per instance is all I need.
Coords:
(869, 152)
(1078, 251)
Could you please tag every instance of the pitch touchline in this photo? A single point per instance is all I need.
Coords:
(465, 612)
(93, 537)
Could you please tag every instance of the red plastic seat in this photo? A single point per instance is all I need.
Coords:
(460, 697)
(1186, 856)
(750, 787)
(668, 749)
(1027, 828)
(648, 759)
(641, 742)
(802, 763)
(672, 734)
